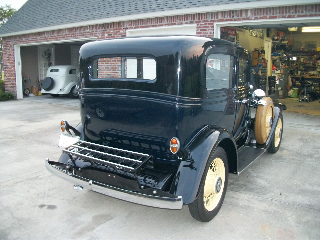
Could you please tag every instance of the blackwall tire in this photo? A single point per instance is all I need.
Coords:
(263, 121)
(47, 83)
(213, 187)
(277, 137)
(26, 91)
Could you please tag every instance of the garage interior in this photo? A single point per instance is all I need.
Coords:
(36, 60)
(285, 58)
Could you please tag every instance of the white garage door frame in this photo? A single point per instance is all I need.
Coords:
(18, 61)
(186, 29)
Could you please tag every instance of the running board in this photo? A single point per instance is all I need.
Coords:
(247, 155)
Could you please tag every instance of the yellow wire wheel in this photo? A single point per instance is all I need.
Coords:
(213, 187)
(214, 184)
(264, 119)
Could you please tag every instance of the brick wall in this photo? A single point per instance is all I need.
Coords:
(204, 23)
(109, 67)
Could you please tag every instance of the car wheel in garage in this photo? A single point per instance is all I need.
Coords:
(263, 122)
(213, 187)
(74, 92)
(26, 91)
(47, 83)
(276, 139)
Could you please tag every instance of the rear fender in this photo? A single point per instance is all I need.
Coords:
(67, 88)
(188, 177)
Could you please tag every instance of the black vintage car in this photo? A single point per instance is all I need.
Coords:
(164, 120)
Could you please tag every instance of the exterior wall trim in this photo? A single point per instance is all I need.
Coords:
(18, 67)
(57, 41)
(218, 8)
(131, 32)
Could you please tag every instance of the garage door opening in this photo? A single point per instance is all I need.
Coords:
(284, 58)
(33, 60)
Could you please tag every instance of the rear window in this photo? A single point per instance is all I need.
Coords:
(54, 70)
(123, 68)
(218, 71)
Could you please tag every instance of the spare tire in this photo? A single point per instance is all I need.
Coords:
(263, 121)
(47, 83)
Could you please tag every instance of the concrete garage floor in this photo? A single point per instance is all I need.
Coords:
(293, 105)
(276, 197)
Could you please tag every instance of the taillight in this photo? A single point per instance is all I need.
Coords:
(63, 125)
(174, 145)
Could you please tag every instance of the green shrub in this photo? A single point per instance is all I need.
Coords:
(1, 86)
(6, 96)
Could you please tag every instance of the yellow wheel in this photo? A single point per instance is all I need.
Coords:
(263, 121)
(213, 187)
(276, 140)
(214, 184)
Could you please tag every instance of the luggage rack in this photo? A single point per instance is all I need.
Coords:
(104, 155)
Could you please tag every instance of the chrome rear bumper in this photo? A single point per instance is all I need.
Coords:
(134, 197)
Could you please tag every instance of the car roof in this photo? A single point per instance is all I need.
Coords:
(153, 45)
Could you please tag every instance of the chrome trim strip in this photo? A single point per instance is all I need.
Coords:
(143, 199)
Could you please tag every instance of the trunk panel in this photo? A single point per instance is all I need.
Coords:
(130, 119)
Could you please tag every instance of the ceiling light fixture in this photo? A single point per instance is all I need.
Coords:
(292, 29)
(311, 29)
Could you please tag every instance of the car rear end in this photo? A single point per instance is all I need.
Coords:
(60, 79)
(128, 143)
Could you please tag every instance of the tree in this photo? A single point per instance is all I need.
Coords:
(5, 13)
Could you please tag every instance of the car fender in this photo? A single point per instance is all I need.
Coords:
(277, 115)
(67, 88)
(188, 178)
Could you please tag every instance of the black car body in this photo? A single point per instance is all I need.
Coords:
(165, 118)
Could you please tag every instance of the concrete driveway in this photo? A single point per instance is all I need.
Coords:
(276, 197)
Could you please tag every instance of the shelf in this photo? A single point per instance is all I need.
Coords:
(305, 53)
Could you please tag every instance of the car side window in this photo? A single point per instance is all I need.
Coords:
(218, 71)
(73, 71)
